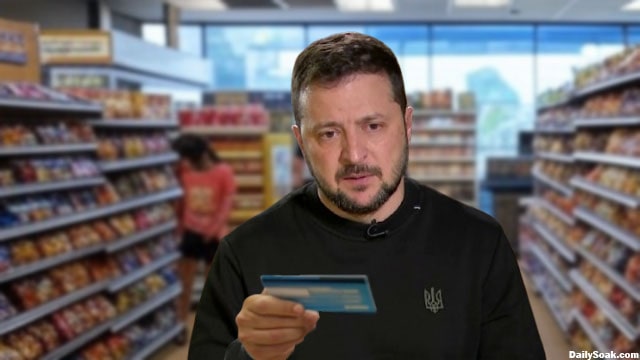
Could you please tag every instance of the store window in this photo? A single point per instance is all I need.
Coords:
(633, 36)
(562, 49)
(408, 42)
(496, 64)
(253, 57)
(189, 37)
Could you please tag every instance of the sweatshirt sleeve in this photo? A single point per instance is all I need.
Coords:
(508, 328)
(215, 330)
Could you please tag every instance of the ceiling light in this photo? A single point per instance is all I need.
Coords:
(632, 6)
(364, 5)
(213, 5)
(481, 3)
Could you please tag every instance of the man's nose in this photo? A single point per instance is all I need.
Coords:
(354, 148)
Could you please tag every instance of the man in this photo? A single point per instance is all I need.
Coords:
(363, 216)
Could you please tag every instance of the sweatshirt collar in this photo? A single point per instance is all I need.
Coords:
(410, 204)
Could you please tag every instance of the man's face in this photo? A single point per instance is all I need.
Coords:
(355, 141)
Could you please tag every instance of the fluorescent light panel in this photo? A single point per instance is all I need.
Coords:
(364, 5)
(214, 5)
(481, 3)
(632, 6)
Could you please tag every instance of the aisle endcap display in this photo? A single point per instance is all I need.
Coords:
(443, 142)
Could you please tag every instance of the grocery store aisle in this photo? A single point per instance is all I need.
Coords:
(553, 338)
(173, 351)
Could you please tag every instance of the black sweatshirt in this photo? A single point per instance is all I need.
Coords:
(431, 242)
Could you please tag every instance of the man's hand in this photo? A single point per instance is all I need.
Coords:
(270, 328)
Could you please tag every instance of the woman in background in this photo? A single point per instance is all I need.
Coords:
(209, 188)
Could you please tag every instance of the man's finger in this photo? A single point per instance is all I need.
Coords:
(269, 305)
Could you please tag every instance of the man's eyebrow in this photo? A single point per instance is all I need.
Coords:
(364, 119)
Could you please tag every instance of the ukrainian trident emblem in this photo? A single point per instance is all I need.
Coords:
(433, 300)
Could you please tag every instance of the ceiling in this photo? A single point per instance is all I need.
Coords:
(269, 11)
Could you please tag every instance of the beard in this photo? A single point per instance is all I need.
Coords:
(350, 206)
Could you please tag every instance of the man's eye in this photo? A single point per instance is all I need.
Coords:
(374, 126)
(328, 134)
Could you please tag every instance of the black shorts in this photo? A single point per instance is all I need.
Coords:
(193, 246)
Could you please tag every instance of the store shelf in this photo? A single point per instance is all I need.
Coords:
(249, 180)
(549, 302)
(565, 190)
(43, 264)
(440, 143)
(565, 130)
(566, 218)
(50, 186)
(611, 273)
(32, 228)
(589, 330)
(604, 122)
(442, 159)
(159, 342)
(29, 316)
(554, 105)
(78, 342)
(616, 196)
(505, 184)
(141, 236)
(444, 178)
(565, 158)
(442, 113)
(607, 84)
(118, 165)
(605, 306)
(600, 158)
(226, 130)
(563, 249)
(243, 215)
(136, 124)
(240, 154)
(445, 128)
(145, 308)
(49, 106)
(138, 274)
(47, 149)
(614, 231)
(552, 269)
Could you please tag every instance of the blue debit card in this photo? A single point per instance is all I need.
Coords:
(326, 293)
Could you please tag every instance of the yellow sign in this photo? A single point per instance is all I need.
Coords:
(75, 47)
(19, 51)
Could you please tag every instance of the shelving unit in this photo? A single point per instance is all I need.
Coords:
(442, 152)
(594, 204)
(88, 113)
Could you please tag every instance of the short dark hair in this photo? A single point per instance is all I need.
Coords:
(331, 59)
(192, 147)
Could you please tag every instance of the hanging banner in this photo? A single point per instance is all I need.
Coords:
(75, 47)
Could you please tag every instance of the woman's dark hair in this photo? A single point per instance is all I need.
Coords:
(327, 61)
(193, 147)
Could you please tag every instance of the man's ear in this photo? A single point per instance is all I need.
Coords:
(408, 122)
(298, 134)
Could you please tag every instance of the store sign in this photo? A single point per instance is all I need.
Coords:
(86, 47)
(13, 47)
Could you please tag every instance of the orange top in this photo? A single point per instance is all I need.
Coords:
(208, 199)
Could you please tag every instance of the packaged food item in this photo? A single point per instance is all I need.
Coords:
(5, 258)
(46, 333)
(7, 353)
(7, 309)
(29, 347)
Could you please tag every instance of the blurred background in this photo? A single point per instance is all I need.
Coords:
(526, 109)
